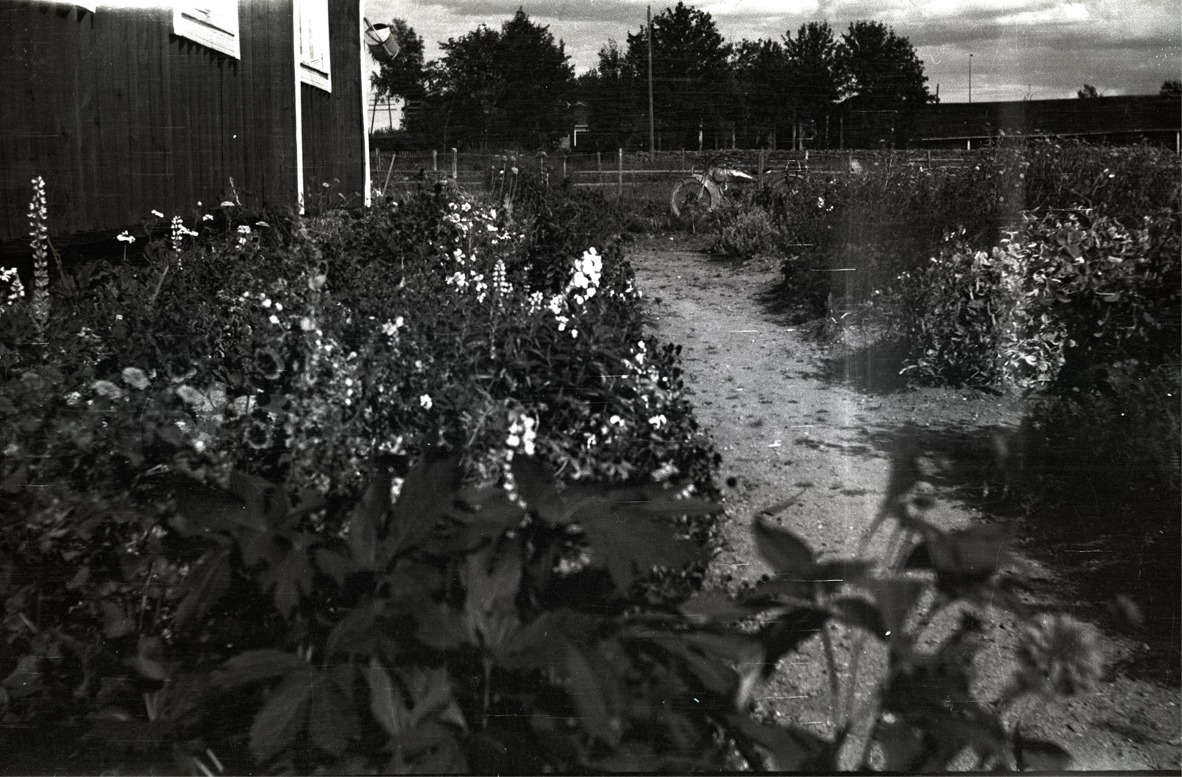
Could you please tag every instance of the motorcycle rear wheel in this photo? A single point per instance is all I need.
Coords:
(691, 201)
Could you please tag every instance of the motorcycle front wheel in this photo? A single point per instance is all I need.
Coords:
(691, 201)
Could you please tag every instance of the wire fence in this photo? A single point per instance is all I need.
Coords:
(624, 172)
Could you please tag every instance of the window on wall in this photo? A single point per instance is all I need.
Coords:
(315, 66)
(212, 23)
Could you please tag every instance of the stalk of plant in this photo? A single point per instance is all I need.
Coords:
(39, 242)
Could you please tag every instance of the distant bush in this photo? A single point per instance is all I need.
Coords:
(891, 217)
(745, 230)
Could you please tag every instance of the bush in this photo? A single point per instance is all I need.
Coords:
(1120, 443)
(1065, 295)
(745, 230)
(891, 217)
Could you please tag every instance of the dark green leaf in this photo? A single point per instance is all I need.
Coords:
(861, 613)
(786, 553)
(895, 597)
(205, 585)
(116, 624)
(332, 720)
(333, 565)
(148, 661)
(428, 749)
(592, 687)
(626, 545)
(254, 667)
(367, 520)
(385, 700)
(285, 715)
(356, 633)
(788, 631)
(790, 749)
(426, 495)
(716, 608)
(535, 485)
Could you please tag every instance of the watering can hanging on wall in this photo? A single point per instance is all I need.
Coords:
(380, 39)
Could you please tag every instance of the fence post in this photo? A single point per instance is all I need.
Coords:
(434, 160)
(762, 155)
(564, 167)
(620, 172)
(599, 161)
(454, 166)
(929, 159)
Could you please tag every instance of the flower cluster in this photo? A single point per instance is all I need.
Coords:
(523, 433)
(39, 234)
(178, 232)
(16, 290)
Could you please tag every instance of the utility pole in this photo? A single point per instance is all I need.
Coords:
(970, 77)
(652, 135)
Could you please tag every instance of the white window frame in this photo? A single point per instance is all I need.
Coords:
(212, 23)
(313, 43)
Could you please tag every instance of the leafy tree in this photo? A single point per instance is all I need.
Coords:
(757, 73)
(1171, 89)
(880, 72)
(814, 80)
(538, 78)
(403, 76)
(1088, 92)
(613, 92)
(690, 69)
(504, 86)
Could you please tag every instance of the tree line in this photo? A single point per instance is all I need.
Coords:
(516, 86)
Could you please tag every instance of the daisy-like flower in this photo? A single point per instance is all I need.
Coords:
(1058, 654)
(258, 435)
(269, 363)
(125, 237)
(157, 214)
(425, 401)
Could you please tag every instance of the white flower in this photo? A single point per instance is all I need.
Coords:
(125, 237)
(135, 377)
(157, 214)
(657, 421)
(425, 401)
(274, 319)
(207, 217)
(244, 230)
(227, 204)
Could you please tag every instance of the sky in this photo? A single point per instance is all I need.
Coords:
(1017, 49)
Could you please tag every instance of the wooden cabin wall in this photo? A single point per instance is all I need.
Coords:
(121, 117)
(333, 123)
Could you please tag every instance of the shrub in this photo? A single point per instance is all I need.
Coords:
(891, 217)
(744, 230)
(1065, 295)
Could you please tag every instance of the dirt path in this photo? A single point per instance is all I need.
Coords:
(788, 430)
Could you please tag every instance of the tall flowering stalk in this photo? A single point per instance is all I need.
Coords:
(39, 242)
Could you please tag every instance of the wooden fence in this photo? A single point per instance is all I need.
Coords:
(629, 172)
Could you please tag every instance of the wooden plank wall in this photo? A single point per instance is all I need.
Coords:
(333, 123)
(121, 117)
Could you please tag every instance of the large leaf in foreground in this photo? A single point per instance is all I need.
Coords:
(635, 544)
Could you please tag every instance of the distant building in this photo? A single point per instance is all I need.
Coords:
(1136, 119)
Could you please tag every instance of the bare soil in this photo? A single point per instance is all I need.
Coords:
(795, 422)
